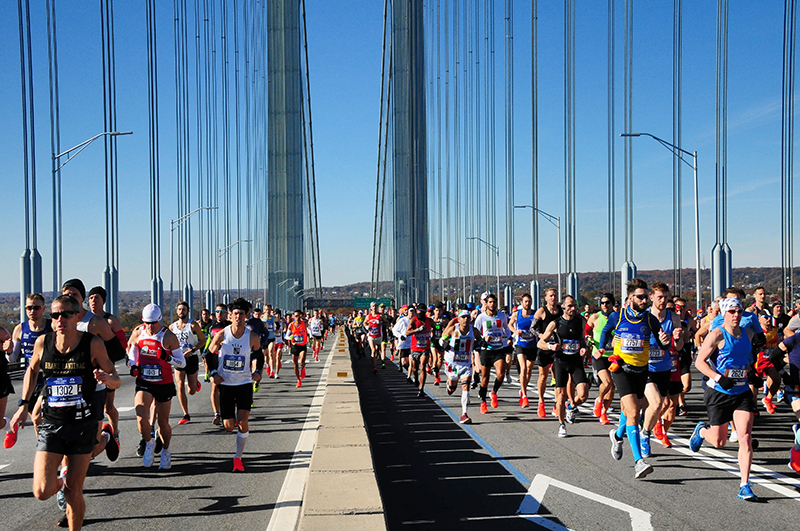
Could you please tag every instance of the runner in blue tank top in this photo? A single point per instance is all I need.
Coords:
(727, 395)
(660, 365)
(522, 324)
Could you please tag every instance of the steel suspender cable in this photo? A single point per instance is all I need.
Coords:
(677, 221)
(535, 142)
(375, 249)
(509, 85)
(55, 142)
(238, 159)
(612, 243)
(787, 150)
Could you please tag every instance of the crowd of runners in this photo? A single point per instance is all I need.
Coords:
(70, 378)
(641, 350)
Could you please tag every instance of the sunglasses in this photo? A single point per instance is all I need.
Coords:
(220, 311)
(150, 322)
(605, 302)
(641, 297)
(33, 308)
(66, 314)
(735, 310)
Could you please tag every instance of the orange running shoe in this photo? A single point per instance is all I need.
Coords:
(794, 460)
(484, 407)
(299, 384)
(665, 442)
(542, 413)
(302, 373)
(237, 465)
(768, 405)
(525, 402)
(604, 418)
(658, 431)
(598, 407)
(494, 400)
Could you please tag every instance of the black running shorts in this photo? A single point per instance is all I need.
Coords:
(661, 381)
(566, 365)
(630, 383)
(75, 438)
(489, 357)
(720, 406)
(235, 397)
(161, 392)
(192, 365)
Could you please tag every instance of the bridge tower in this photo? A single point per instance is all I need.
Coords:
(410, 154)
(285, 159)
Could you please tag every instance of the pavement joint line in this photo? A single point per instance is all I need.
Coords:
(286, 513)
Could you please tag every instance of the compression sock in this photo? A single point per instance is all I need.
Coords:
(621, 427)
(241, 439)
(436, 371)
(464, 401)
(635, 441)
(482, 393)
(497, 383)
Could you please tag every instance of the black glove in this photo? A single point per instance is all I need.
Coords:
(163, 355)
(402, 338)
(135, 371)
(447, 346)
(726, 383)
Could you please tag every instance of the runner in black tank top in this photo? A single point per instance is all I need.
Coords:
(544, 316)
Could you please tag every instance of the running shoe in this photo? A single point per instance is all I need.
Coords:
(61, 498)
(508, 377)
(541, 412)
(420, 393)
(269, 371)
(525, 402)
(746, 493)
(217, 420)
(768, 405)
(166, 460)
(299, 384)
(644, 445)
(199, 386)
(495, 403)
(400, 367)
(681, 411)
(238, 466)
(383, 366)
(553, 381)
(392, 357)
(734, 435)
(641, 469)
(316, 357)
(374, 370)
(754, 443)
(112, 446)
(465, 419)
(186, 418)
(410, 380)
(604, 419)
(64, 522)
(10, 439)
(665, 441)
(149, 453)
(554, 412)
(140, 448)
(562, 431)
(794, 460)
(206, 378)
(520, 397)
(303, 373)
(697, 441)
(474, 384)
(598, 407)
(570, 416)
(256, 387)
(779, 396)
(616, 445)
(450, 390)
(437, 381)
(484, 407)
(658, 431)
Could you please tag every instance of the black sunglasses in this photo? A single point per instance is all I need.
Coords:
(641, 297)
(605, 302)
(33, 308)
(66, 314)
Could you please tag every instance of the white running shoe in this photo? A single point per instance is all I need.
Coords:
(149, 452)
(166, 460)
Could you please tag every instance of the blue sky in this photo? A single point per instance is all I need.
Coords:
(344, 53)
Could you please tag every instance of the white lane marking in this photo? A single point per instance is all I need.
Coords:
(758, 474)
(528, 509)
(4, 466)
(286, 514)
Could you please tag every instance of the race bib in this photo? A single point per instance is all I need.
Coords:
(630, 345)
(374, 331)
(673, 362)
(656, 353)
(151, 373)
(233, 363)
(495, 339)
(526, 335)
(298, 338)
(738, 375)
(571, 346)
(64, 391)
(461, 357)
(423, 339)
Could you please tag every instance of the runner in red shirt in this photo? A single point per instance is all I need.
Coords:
(374, 325)
(419, 330)
(298, 340)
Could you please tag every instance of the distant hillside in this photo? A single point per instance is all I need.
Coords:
(592, 283)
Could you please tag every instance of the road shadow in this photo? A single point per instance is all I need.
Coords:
(430, 471)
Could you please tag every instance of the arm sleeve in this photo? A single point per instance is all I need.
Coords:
(133, 355)
(178, 361)
(257, 355)
(15, 352)
(116, 351)
(608, 328)
(122, 339)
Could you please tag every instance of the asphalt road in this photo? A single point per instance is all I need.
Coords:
(509, 470)
(200, 491)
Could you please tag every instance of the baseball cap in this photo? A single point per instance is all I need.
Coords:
(151, 313)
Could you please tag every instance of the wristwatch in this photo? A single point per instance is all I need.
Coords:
(22, 402)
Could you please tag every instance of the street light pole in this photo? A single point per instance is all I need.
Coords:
(463, 275)
(497, 258)
(174, 224)
(673, 148)
(222, 251)
(56, 171)
(556, 222)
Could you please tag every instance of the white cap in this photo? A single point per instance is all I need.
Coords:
(463, 313)
(484, 295)
(151, 313)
